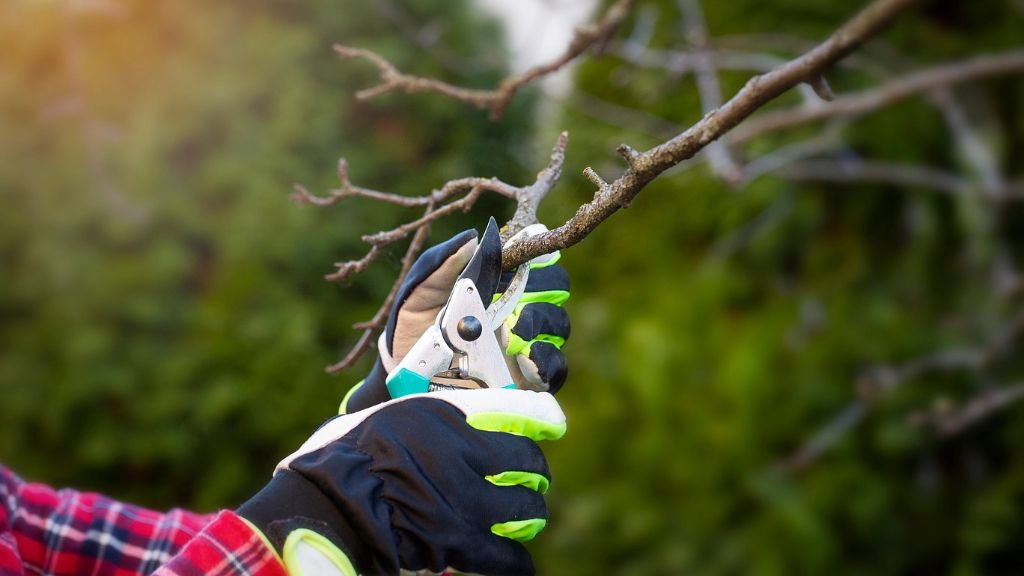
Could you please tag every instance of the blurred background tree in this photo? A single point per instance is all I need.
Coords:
(750, 325)
(764, 372)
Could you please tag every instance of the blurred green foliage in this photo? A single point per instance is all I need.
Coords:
(164, 323)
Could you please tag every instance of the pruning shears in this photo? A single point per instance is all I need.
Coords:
(461, 350)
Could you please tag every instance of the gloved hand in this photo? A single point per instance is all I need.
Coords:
(427, 481)
(533, 335)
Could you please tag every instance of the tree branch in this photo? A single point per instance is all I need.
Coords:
(883, 379)
(472, 188)
(949, 421)
(371, 327)
(866, 101)
(974, 151)
(720, 160)
(643, 167)
(784, 156)
(528, 199)
(438, 204)
(347, 190)
(646, 166)
(497, 100)
(897, 174)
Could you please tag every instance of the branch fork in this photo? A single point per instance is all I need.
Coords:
(438, 203)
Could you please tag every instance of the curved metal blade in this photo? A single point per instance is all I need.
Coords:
(484, 268)
(504, 306)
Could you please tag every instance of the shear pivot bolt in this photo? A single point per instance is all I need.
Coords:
(470, 328)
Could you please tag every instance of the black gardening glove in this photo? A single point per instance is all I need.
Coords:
(533, 335)
(428, 481)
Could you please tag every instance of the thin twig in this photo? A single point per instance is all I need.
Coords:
(371, 327)
(439, 203)
(528, 198)
(472, 187)
(866, 101)
(347, 190)
(389, 236)
(949, 421)
(826, 437)
(884, 379)
(903, 175)
(974, 151)
(344, 269)
(639, 39)
(497, 100)
(720, 160)
(784, 156)
(679, 62)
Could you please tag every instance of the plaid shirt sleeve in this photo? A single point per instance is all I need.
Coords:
(64, 532)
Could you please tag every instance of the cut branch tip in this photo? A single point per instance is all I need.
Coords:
(300, 193)
(343, 173)
(630, 155)
(596, 180)
(821, 87)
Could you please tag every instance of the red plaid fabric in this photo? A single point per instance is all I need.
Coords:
(64, 532)
(227, 546)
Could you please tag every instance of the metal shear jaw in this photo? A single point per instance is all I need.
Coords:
(469, 332)
(461, 343)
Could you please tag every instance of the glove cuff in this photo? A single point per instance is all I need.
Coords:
(386, 359)
(290, 512)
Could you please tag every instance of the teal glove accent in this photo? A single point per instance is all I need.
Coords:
(406, 382)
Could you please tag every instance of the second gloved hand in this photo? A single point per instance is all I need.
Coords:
(533, 335)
